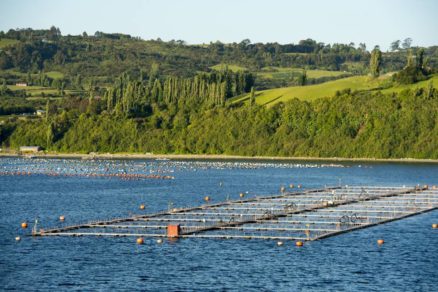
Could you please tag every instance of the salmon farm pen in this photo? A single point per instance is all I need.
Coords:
(305, 215)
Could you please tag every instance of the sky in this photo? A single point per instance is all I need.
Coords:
(374, 22)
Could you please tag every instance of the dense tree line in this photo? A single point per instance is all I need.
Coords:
(351, 124)
(137, 97)
(107, 56)
(162, 97)
(416, 69)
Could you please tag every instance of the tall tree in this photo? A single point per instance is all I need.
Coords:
(395, 45)
(47, 108)
(376, 61)
(420, 59)
(252, 97)
(49, 135)
(407, 43)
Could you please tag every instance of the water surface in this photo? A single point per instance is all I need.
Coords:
(408, 261)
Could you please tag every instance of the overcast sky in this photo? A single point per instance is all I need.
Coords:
(375, 22)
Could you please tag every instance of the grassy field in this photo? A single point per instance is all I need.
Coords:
(285, 73)
(328, 89)
(231, 67)
(55, 75)
(297, 54)
(36, 92)
(26, 88)
(51, 74)
(7, 42)
(420, 84)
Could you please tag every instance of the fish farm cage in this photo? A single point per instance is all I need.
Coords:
(304, 215)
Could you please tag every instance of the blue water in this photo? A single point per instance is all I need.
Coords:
(408, 261)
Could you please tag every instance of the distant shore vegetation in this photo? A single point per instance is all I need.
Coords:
(116, 93)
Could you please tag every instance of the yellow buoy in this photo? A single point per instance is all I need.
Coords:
(140, 240)
(61, 218)
(380, 241)
(18, 238)
(299, 243)
(280, 243)
(206, 198)
(24, 225)
(142, 206)
(242, 195)
(434, 226)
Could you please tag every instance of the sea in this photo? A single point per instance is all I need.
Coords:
(38, 190)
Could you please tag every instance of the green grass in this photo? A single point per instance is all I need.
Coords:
(26, 88)
(328, 89)
(55, 75)
(420, 84)
(297, 54)
(36, 92)
(286, 73)
(311, 92)
(232, 67)
(42, 98)
(7, 42)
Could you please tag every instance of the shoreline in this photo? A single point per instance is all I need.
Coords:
(212, 157)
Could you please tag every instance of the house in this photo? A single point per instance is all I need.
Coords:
(21, 84)
(40, 113)
(30, 149)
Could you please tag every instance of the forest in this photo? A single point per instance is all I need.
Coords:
(118, 93)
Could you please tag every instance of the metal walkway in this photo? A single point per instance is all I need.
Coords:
(304, 215)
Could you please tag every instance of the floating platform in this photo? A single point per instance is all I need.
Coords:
(303, 215)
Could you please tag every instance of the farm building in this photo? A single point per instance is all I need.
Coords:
(21, 84)
(32, 149)
(40, 112)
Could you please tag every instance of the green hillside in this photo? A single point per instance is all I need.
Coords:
(328, 89)
(231, 67)
(278, 73)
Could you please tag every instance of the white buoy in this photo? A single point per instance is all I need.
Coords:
(159, 241)
(280, 243)
(18, 238)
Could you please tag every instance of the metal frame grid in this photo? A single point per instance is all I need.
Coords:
(304, 215)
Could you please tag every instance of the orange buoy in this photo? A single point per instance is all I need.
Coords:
(142, 206)
(242, 195)
(380, 241)
(434, 226)
(24, 225)
(61, 218)
(206, 198)
(299, 243)
(140, 240)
